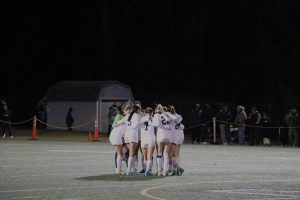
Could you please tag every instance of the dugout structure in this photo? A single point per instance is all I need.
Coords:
(89, 100)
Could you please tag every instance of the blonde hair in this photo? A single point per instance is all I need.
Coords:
(159, 108)
(126, 107)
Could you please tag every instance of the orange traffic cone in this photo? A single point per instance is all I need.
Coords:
(90, 137)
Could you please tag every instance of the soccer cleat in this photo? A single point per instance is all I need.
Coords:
(129, 174)
(180, 170)
(159, 173)
(174, 172)
(148, 173)
(119, 172)
(142, 171)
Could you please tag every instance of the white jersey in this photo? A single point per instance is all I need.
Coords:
(132, 127)
(179, 127)
(175, 119)
(162, 122)
(179, 133)
(117, 134)
(147, 133)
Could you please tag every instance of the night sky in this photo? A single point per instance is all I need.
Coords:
(196, 50)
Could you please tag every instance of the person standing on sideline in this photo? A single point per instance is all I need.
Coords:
(224, 117)
(254, 131)
(293, 123)
(195, 122)
(6, 124)
(43, 114)
(69, 119)
(204, 118)
(284, 131)
(266, 132)
(112, 113)
(240, 120)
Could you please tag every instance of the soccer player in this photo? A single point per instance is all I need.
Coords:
(164, 138)
(116, 137)
(148, 140)
(133, 123)
(177, 129)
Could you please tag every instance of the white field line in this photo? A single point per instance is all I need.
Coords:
(27, 197)
(145, 192)
(272, 193)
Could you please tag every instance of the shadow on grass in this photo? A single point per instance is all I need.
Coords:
(113, 177)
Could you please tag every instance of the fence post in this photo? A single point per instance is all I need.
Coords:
(96, 130)
(279, 134)
(34, 128)
(214, 129)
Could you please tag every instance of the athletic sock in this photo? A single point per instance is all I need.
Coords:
(130, 159)
(119, 163)
(166, 163)
(159, 162)
(149, 165)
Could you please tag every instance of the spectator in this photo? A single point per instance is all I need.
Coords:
(5, 116)
(43, 114)
(69, 119)
(224, 117)
(204, 118)
(284, 131)
(240, 120)
(112, 113)
(266, 122)
(293, 123)
(254, 130)
(195, 119)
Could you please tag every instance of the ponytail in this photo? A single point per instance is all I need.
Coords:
(135, 108)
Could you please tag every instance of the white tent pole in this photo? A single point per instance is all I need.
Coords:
(99, 117)
(97, 109)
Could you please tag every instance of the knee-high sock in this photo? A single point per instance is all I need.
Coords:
(149, 165)
(166, 163)
(119, 163)
(159, 162)
(130, 162)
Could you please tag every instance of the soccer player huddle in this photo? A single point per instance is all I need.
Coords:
(135, 129)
